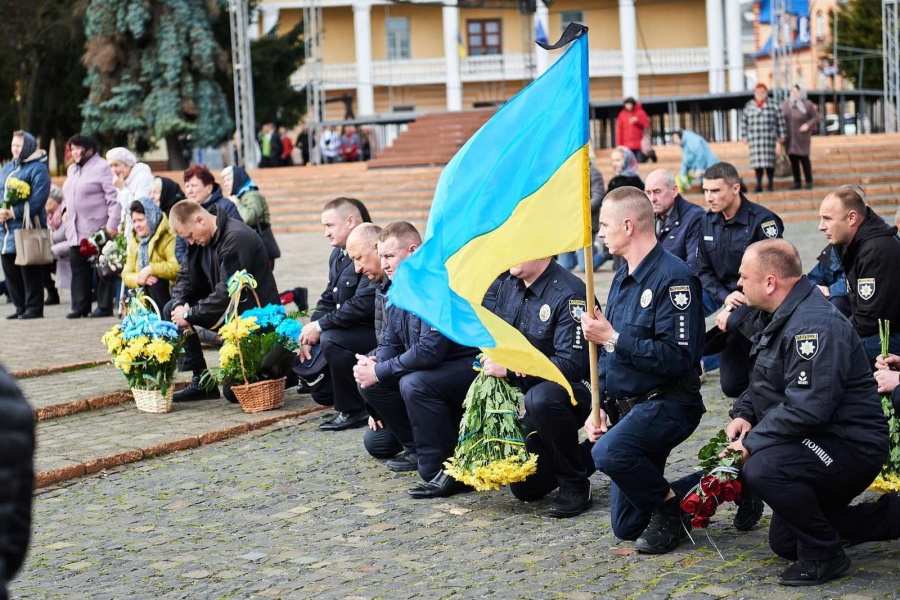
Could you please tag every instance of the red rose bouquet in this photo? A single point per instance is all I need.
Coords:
(719, 483)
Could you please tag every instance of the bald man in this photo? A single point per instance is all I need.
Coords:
(677, 220)
(810, 424)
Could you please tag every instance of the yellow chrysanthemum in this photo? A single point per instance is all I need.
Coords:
(238, 329)
(159, 350)
(227, 353)
(884, 484)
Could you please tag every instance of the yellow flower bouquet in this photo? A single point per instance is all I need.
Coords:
(16, 191)
(889, 478)
(145, 348)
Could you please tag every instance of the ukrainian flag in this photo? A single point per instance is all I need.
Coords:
(518, 190)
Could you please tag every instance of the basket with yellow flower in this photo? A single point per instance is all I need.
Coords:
(253, 342)
(146, 350)
(491, 450)
(889, 478)
(16, 191)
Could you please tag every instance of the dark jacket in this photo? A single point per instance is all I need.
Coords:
(598, 192)
(410, 344)
(722, 244)
(828, 272)
(811, 378)
(203, 279)
(872, 264)
(16, 477)
(215, 204)
(623, 180)
(349, 297)
(680, 234)
(31, 167)
(381, 291)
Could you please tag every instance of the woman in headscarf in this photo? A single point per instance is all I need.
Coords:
(24, 284)
(802, 120)
(165, 193)
(252, 206)
(625, 172)
(91, 205)
(151, 260)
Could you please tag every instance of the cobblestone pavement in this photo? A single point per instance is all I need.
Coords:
(294, 513)
(286, 511)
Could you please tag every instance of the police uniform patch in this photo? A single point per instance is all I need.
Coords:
(544, 314)
(680, 295)
(807, 345)
(770, 228)
(865, 288)
(804, 379)
(576, 309)
(646, 297)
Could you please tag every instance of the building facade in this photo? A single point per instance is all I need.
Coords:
(394, 56)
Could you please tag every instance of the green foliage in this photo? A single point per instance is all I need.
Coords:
(709, 454)
(152, 69)
(275, 58)
(859, 25)
(892, 466)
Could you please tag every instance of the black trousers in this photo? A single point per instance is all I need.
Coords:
(381, 443)
(551, 428)
(25, 285)
(770, 175)
(192, 359)
(340, 347)
(384, 403)
(159, 292)
(809, 486)
(82, 283)
(796, 162)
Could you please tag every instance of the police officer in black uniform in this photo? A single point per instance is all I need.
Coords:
(811, 422)
(652, 338)
(343, 321)
(545, 301)
(732, 224)
(417, 380)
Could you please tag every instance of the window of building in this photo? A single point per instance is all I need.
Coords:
(397, 38)
(820, 25)
(484, 37)
(570, 16)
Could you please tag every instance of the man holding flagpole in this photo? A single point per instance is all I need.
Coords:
(652, 336)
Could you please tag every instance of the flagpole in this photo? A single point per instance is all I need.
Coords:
(592, 347)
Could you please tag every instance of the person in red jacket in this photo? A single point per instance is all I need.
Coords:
(631, 124)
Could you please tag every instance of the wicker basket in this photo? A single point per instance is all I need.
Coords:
(260, 396)
(152, 401)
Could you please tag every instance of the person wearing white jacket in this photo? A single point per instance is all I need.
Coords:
(132, 180)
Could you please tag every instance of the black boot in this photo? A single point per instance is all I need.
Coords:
(668, 527)
(749, 512)
(194, 391)
(815, 572)
(52, 297)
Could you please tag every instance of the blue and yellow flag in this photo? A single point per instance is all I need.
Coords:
(518, 190)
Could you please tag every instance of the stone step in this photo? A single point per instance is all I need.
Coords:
(89, 442)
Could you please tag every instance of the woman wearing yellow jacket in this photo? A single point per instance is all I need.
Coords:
(151, 260)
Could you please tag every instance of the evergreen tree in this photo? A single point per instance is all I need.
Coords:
(859, 26)
(152, 69)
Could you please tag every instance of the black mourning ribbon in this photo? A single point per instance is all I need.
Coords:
(572, 33)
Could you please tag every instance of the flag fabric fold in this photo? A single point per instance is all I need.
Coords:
(518, 190)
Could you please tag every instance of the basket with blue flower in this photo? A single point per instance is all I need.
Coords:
(258, 347)
(146, 348)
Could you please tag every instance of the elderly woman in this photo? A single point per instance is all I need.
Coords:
(200, 186)
(132, 180)
(165, 193)
(151, 260)
(25, 285)
(802, 120)
(60, 266)
(762, 125)
(240, 189)
(91, 204)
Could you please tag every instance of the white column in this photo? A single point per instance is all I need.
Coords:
(253, 27)
(541, 56)
(450, 15)
(715, 34)
(269, 18)
(628, 36)
(733, 38)
(362, 33)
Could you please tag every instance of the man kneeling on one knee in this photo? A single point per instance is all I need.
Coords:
(544, 302)
(418, 378)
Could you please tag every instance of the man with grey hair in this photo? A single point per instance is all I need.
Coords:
(677, 220)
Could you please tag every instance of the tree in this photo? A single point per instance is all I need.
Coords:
(859, 29)
(152, 70)
(40, 74)
(274, 60)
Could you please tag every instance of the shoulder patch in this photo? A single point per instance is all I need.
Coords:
(770, 229)
(680, 295)
(807, 345)
(865, 288)
(576, 309)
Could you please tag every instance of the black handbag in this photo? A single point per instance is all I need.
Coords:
(264, 231)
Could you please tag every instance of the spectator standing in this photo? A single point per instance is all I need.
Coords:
(802, 121)
(270, 146)
(91, 204)
(762, 124)
(132, 179)
(349, 144)
(287, 146)
(631, 123)
(330, 145)
(60, 249)
(304, 143)
(16, 478)
(25, 284)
